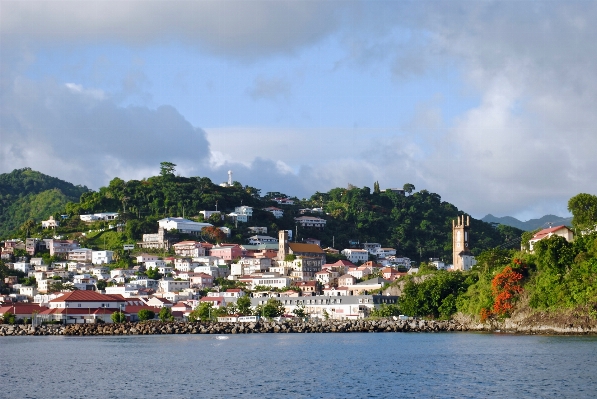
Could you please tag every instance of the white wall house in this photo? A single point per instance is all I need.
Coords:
(356, 255)
(101, 257)
(310, 221)
(183, 225)
(277, 212)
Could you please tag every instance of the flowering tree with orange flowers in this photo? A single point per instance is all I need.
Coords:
(505, 287)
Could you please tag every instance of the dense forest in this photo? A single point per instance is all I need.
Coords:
(26, 194)
(417, 223)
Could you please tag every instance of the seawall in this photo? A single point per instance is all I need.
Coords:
(327, 326)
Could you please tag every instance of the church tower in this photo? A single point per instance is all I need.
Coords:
(461, 255)
(282, 244)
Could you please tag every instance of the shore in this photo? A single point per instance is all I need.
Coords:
(327, 326)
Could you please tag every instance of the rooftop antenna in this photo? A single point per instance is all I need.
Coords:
(230, 178)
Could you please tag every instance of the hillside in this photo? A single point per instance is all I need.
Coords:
(419, 225)
(530, 225)
(26, 194)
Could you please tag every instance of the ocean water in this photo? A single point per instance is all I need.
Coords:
(352, 365)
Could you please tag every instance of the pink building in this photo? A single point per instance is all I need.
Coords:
(227, 251)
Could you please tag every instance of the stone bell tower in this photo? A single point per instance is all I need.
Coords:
(282, 244)
(461, 243)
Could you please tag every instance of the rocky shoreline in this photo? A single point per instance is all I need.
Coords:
(328, 326)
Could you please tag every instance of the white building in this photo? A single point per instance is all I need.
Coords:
(356, 255)
(310, 221)
(101, 257)
(561, 231)
(277, 212)
(257, 240)
(82, 255)
(99, 216)
(172, 285)
(182, 225)
(208, 214)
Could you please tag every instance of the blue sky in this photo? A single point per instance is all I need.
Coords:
(489, 104)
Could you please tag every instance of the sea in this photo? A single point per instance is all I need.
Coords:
(327, 365)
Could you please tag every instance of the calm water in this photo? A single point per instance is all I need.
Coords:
(385, 365)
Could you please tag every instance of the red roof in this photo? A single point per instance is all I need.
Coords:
(343, 263)
(88, 296)
(21, 308)
(233, 290)
(543, 233)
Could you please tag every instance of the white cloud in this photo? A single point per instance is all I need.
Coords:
(79, 135)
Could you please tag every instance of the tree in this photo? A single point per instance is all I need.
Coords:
(153, 273)
(118, 317)
(376, 187)
(584, 211)
(213, 233)
(408, 188)
(243, 305)
(101, 285)
(202, 312)
(8, 318)
(300, 311)
(273, 308)
(167, 169)
(165, 314)
(146, 314)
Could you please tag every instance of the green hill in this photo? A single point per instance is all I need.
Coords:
(418, 225)
(26, 194)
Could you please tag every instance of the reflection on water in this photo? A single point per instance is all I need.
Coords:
(362, 365)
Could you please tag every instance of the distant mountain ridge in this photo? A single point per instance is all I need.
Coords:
(529, 225)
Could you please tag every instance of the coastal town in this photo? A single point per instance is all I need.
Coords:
(270, 275)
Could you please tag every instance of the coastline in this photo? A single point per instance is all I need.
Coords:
(459, 324)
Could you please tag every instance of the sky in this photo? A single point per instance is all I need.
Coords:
(490, 104)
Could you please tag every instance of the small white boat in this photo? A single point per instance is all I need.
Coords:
(221, 337)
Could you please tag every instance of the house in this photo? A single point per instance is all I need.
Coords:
(390, 274)
(200, 280)
(61, 248)
(21, 310)
(142, 258)
(82, 255)
(257, 240)
(182, 225)
(168, 285)
(562, 231)
(356, 255)
(159, 240)
(257, 230)
(227, 251)
(244, 210)
(99, 216)
(157, 302)
(346, 280)
(284, 201)
(273, 280)
(277, 212)
(247, 266)
(371, 247)
(82, 306)
(310, 221)
(189, 248)
(101, 257)
(307, 287)
(367, 286)
(216, 301)
(50, 223)
(334, 307)
(208, 214)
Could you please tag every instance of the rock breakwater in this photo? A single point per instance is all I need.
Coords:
(151, 328)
